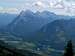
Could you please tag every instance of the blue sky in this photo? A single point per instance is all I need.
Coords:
(63, 7)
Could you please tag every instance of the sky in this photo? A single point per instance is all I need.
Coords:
(60, 7)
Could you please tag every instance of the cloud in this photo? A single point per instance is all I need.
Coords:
(9, 10)
(39, 5)
(56, 6)
(62, 7)
(70, 0)
(12, 1)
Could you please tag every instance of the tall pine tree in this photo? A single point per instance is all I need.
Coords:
(69, 49)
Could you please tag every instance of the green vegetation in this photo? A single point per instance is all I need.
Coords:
(6, 50)
(17, 47)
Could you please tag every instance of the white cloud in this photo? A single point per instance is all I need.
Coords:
(62, 7)
(39, 5)
(9, 10)
(57, 6)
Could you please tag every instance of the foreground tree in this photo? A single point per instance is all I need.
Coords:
(69, 49)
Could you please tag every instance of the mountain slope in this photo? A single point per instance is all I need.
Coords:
(56, 33)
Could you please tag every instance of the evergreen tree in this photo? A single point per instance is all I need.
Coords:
(69, 49)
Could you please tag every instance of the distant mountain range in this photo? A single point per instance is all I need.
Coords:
(28, 22)
(45, 29)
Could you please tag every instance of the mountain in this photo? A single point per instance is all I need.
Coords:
(46, 29)
(28, 22)
(6, 18)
